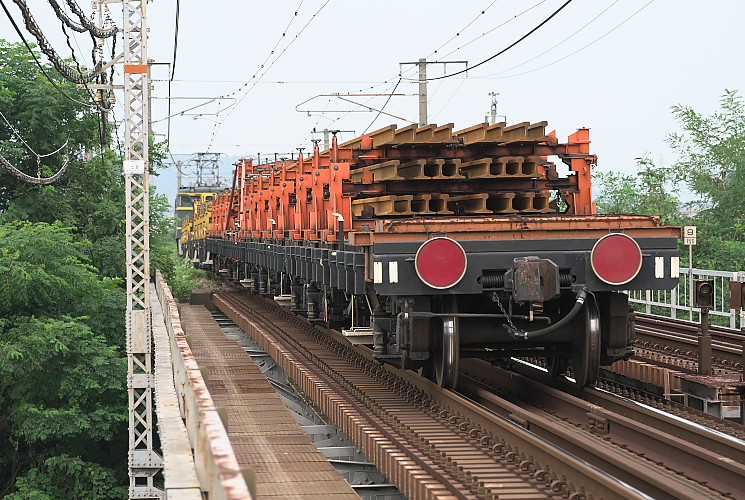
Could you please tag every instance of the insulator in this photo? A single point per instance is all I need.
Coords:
(99, 96)
(492, 279)
(112, 97)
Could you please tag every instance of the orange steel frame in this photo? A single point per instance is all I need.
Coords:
(296, 199)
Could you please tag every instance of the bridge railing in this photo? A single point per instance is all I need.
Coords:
(678, 304)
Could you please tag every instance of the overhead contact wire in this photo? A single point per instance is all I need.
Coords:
(253, 83)
(513, 44)
(578, 50)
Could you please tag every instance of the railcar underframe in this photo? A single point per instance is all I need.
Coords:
(521, 297)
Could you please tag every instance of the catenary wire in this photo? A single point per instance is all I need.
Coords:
(17, 133)
(384, 105)
(173, 69)
(401, 74)
(513, 44)
(175, 42)
(458, 33)
(578, 50)
(88, 25)
(233, 106)
(523, 63)
(35, 180)
(482, 35)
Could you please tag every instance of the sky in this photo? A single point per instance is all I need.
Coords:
(615, 66)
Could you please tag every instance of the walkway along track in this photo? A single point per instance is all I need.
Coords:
(437, 444)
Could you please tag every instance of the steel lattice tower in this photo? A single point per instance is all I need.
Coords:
(144, 462)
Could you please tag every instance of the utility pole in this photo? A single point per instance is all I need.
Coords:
(422, 92)
(493, 112)
(144, 462)
(327, 136)
(422, 65)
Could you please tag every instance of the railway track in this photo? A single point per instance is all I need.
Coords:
(697, 452)
(438, 444)
(678, 340)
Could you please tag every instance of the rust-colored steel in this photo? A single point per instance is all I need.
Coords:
(480, 171)
(264, 435)
(430, 443)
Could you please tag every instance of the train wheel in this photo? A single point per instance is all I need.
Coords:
(586, 348)
(447, 353)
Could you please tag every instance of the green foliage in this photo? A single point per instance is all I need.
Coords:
(649, 191)
(60, 383)
(64, 477)
(44, 269)
(44, 118)
(63, 417)
(62, 371)
(712, 163)
(185, 277)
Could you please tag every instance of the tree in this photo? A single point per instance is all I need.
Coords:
(62, 372)
(711, 162)
(63, 417)
(649, 191)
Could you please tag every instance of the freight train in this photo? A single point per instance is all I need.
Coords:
(432, 245)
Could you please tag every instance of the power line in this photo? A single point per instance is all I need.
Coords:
(482, 35)
(559, 43)
(255, 80)
(173, 70)
(85, 23)
(384, 105)
(38, 63)
(578, 50)
(506, 48)
(38, 179)
(457, 34)
(175, 44)
(99, 105)
(483, 12)
(17, 133)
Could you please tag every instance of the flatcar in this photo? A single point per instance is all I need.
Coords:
(432, 245)
(189, 197)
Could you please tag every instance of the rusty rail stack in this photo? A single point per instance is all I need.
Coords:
(427, 171)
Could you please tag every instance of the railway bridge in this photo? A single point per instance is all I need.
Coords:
(252, 401)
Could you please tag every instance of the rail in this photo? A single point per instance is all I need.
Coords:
(215, 464)
(677, 303)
